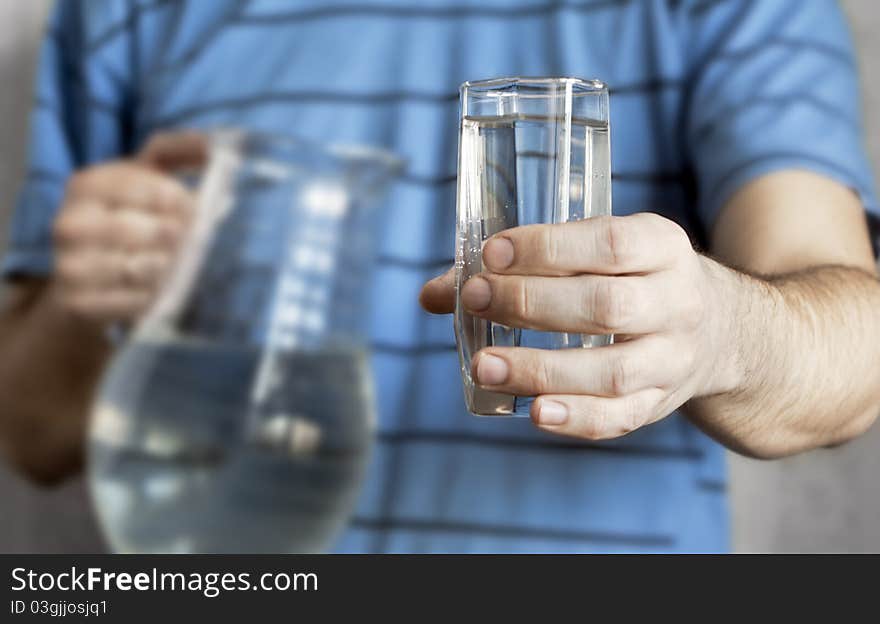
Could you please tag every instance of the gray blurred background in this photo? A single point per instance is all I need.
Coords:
(824, 501)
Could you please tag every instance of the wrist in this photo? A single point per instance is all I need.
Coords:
(728, 312)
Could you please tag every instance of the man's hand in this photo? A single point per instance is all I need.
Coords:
(119, 228)
(637, 277)
(772, 359)
(115, 234)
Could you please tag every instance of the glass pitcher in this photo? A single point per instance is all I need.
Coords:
(238, 415)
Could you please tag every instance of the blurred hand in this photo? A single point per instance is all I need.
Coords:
(637, 277)
(119, 228)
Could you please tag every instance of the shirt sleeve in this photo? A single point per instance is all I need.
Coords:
(773, 86)
(81, 115)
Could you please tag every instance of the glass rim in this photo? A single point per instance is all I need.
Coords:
(592, 86)
(344, 153)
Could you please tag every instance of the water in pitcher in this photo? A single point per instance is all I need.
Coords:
(183, 458)
(514, 172)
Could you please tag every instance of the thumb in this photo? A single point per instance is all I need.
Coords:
(438, 295)
(174, 151)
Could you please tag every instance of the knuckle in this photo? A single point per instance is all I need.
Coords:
(622, 374)
(613, 305)
(168, 194)
(674, 238)
(178, 198)
(654, 220)
(142, 231)
(155, 230)
(633, 414)
(109, 180)
(66, 269)
(692, 311)
(82, 182)
(676, 234)
(549, 246)
(523, 302)
(596, 422)
(94, 179)
(143, 187)
(688, 362)
(618, 240)
(64, 229)
(69, 228)
(119, 230)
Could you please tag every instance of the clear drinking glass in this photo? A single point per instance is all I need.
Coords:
(238, 416)
(531, 150)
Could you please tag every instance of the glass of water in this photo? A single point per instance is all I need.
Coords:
(531, 150)
(238, 416)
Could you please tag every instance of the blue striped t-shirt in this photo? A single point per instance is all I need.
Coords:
(705, 96)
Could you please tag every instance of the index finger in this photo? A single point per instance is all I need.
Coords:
(639, 243)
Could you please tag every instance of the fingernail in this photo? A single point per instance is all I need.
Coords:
(476, 294)
(491, 370)
(552, 413)
(498, 253)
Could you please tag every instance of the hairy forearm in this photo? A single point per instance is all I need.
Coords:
(50, 362)
(800, 353)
